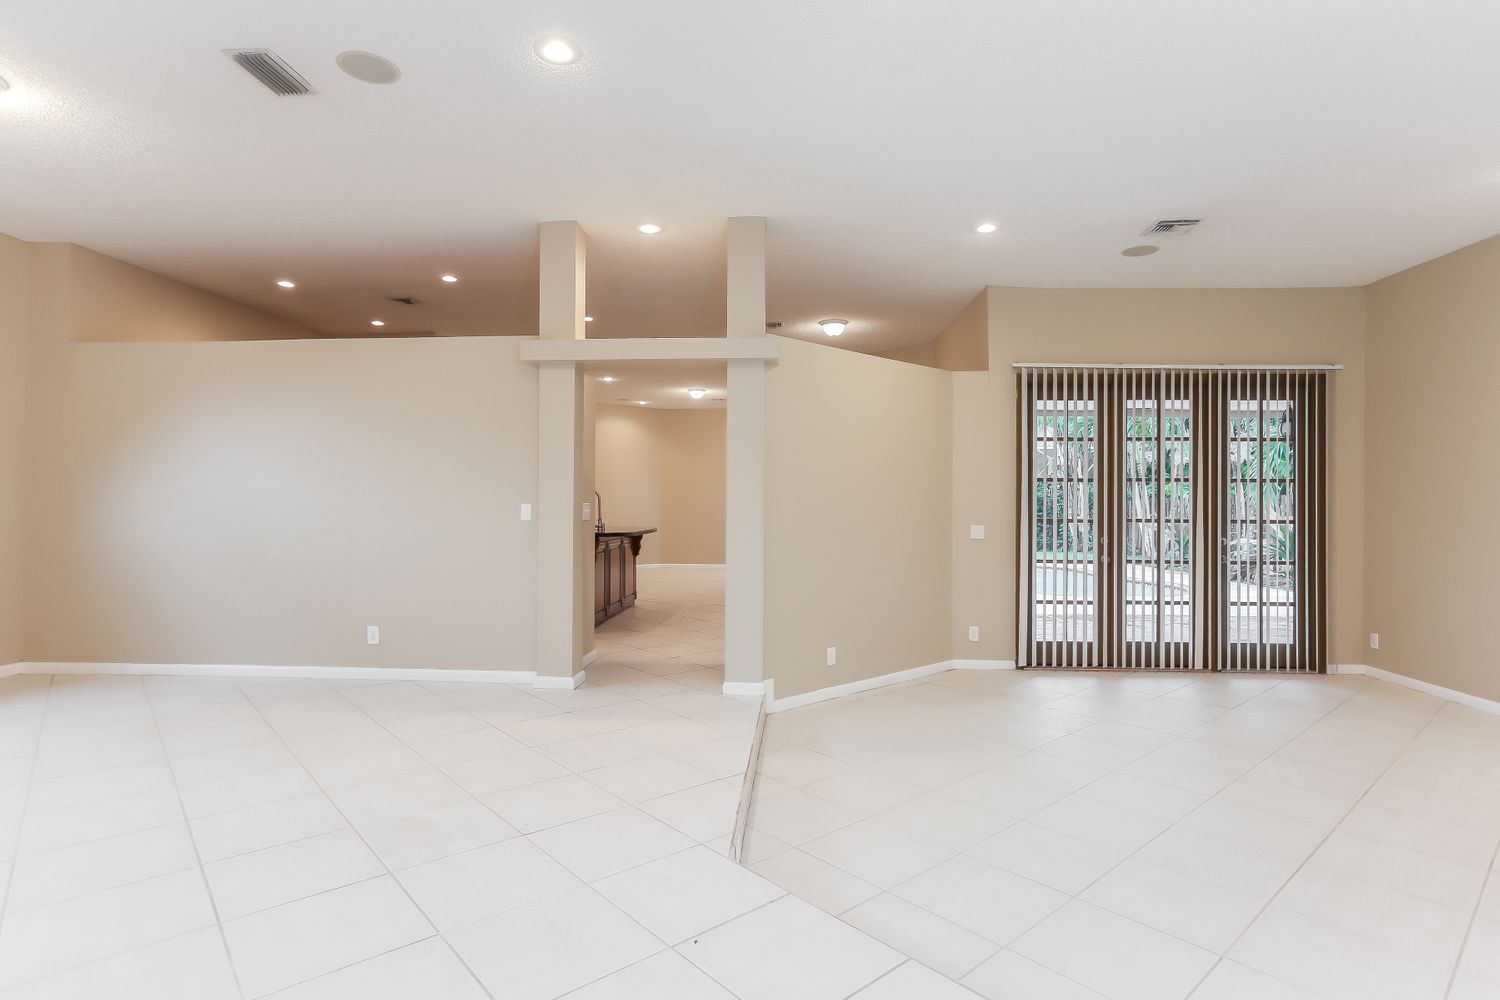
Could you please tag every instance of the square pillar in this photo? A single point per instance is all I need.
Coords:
(560, 306)
(565, 534)
(746, 286)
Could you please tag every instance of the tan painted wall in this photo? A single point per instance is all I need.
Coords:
(114, 300)
(1434, 471)
(664, 469)
(962, 347)
(263, 502)
(15, 285)
(1187, 326)
(858, 503)
(914, 354)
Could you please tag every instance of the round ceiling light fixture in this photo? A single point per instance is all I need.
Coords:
(286, 283)
(367, 67)
(649, 228)
(1144, 250)
(833, 327)
(697, 393)
(557, 50)
(642, 402)
(377, 322)
(609, 378)
(985, 227)
(588, 319)
(448, 279)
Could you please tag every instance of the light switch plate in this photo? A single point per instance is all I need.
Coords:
(588, 512)
(1374, 640)
(526, 512)
(973, 633)
(976, 531)
(372, 635)
(833, 655)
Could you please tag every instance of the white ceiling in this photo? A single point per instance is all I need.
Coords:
(1325, 143)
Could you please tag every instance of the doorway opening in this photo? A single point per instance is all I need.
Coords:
(659, 447)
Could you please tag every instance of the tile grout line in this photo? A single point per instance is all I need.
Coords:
(1078, 895)
(1317, 847)
(192, 839)
(379, 860)
(1489, 876)
(26, 799)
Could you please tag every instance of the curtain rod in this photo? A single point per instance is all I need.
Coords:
(1017, 366)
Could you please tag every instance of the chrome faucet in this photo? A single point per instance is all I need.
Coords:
(598, 509)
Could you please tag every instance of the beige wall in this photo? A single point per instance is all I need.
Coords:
(964, 346)
(113, 300)
(1434, 471)
(1187, 326)
(262, 503)
(858, 503)
(15, 286)
(663, 469)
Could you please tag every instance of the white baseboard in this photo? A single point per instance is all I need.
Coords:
(10, 670)
(1426, 687)
(745, 689)
(679, 565)
(774, 704)
(560, 683)
(589, 658)
(469, 676)
(983, 664)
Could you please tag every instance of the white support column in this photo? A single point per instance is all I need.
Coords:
(745, 520)
(564, 533)
(746, 287)
(745, 460)
(560, 307)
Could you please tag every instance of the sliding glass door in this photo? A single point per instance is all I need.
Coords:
(1171, 518)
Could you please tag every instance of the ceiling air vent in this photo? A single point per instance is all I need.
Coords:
(1171, 227)
(271, 70)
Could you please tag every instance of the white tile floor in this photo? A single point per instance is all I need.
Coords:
(1007, 835)
(205, 838)
(1070, 835)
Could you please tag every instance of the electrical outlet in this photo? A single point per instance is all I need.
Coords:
(1374, 640)
(973, 633)
(833, 655)
(372, 635)
(526, 512)
(976, 531)
(587, 513)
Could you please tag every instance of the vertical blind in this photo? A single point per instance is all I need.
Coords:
(1171, 517)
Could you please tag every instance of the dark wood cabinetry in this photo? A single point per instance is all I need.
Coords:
(615, 553)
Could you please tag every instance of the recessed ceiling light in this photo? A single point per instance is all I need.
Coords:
(557, 50)
(985, 227)
(609, 378)
(368, 67)
(588, 319)
(287, 283)
(449, 278)
(377, 322)
(833, 327)
(649, 228)
(1144, 250)
(642, 402)
(697, 393)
